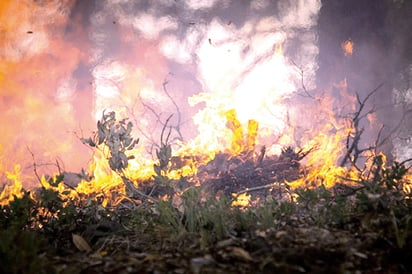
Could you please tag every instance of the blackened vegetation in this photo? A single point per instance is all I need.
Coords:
(232, 174)
(259, 175)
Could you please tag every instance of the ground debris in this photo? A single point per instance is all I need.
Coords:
(292, 250)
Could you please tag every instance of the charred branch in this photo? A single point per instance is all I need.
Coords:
(353, 149)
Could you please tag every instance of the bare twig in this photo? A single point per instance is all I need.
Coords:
(58, 166)
(302, 82)
(179, 115)
(133, 192)
(397, 127)
(261, 155)
(405, 161)
(247, 190)
(34, 165)
(163, 131)
(158, 117)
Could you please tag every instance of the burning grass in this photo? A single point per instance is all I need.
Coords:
(241, 211)
(318, 229)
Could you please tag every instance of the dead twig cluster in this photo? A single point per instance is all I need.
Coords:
(260, 175)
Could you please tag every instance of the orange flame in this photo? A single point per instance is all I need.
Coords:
(347, 47)
(36, 85)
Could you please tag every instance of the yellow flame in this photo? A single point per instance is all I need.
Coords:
(242, 200)
(189, 169)
(327, 143)
(407, 186)
(237, 132)
(14, 189)
(278, 49)
(322, 167)
(105, 181)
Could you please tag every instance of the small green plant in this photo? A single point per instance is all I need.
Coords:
(164, 155)
(116, 135)
(272, 213)
(206, 214)
(313, 202)
(401, 228)
(382, 197)
(196, 215)
(382, 188)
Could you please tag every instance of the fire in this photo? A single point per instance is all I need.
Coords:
(37, 95)
(105, 182)
(322, 163)
(278, 49)
(407, 188)
(242, 200)
(249, 95)
(239, 143)
(12, 190)
(347, 47)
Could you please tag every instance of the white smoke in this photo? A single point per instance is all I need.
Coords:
(237, 61)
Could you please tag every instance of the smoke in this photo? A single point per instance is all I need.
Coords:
(64, 62)
(213, 55)
(381, 57)
(39, 52)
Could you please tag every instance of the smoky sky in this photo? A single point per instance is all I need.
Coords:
(381, 56)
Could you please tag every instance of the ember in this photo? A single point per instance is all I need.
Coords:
(347, 47)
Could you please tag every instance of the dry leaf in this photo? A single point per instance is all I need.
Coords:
(280, 234)
(261, 233)
(225, 243)
(359, 254)
(152, 257)
(81, 243)
(241, 254)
